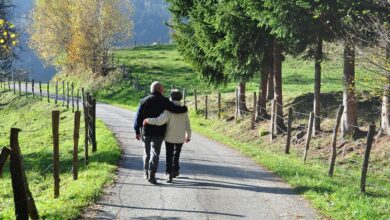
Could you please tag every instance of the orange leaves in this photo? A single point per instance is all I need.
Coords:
(78, 32)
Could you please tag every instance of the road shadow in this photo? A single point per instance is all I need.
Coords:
(216, 185)
(170, 210)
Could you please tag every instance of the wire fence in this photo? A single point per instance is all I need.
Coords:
(69, 100)
(211, 105)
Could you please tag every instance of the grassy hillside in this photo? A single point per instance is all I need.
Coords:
(338, 197)
(34, 118)
(165, 64)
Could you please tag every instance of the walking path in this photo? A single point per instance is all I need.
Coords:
(215, 182)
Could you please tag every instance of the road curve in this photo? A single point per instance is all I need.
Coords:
(215, 182)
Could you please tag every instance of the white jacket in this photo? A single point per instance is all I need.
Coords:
(178, 125)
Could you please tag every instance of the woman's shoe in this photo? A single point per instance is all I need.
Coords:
(175, 174)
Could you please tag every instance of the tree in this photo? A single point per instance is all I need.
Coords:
(375, 54)
(8, 39)
(79, 33)
(299, 24)
(220, 40)
(351, 14)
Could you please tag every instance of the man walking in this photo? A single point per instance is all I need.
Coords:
(151, 107)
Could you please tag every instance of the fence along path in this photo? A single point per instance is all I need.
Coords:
(306, 130)
(23, 198)
(215, 182)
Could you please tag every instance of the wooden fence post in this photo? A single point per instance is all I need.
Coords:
(48, 91)
(237, 107)
(334, 140)
(24, 202)
(86, 122)
(56, 152)
(196, 101)
(63, 93)
(76, 136)
(308, 137)
(19, 191)
(5, 152)
(254, 111)
(184, 96)
(67, 95)
(40, 89)
(289, 123)
(72, 94)
(32, 87)
(370, 138)
(273, 121)
(93, 113)
(206, 107)
(56, 101)
(77, 100)
(219, 105)
(20, 88)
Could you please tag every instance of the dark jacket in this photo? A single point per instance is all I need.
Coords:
(153, 106)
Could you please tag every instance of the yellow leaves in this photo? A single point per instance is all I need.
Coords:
(78, 31)
(8, 38)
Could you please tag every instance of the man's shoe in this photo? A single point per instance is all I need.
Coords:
(175, 174)
(152, 178)
(169, 178)
(146, 175)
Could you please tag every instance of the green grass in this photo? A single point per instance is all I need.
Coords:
(338, 197)
(165, 64)
(34, 118)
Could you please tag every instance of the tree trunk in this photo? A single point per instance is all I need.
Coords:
(270, 83)
(242, 99)
(262, 100)
(317, 85)
(279, 126)
(350, 115)
(385, 121)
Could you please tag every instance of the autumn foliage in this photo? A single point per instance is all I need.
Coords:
(8, 38)
(79, 33)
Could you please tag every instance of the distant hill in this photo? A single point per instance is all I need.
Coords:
(150, 17)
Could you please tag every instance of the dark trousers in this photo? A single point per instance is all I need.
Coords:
(173, 155)
(152, 153)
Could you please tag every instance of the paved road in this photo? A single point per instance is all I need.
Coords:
(215, 182)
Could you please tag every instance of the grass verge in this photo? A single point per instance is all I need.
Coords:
(34, 118)
(338, 197)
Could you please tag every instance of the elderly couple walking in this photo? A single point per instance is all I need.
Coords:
(159, 119)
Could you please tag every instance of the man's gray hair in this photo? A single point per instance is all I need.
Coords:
(155, 87)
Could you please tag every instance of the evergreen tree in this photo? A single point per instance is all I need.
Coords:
(220, 40)
(299, 24)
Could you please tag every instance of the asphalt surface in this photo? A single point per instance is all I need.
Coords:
(215, 182)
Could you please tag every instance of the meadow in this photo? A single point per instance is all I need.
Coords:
(34, 118)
